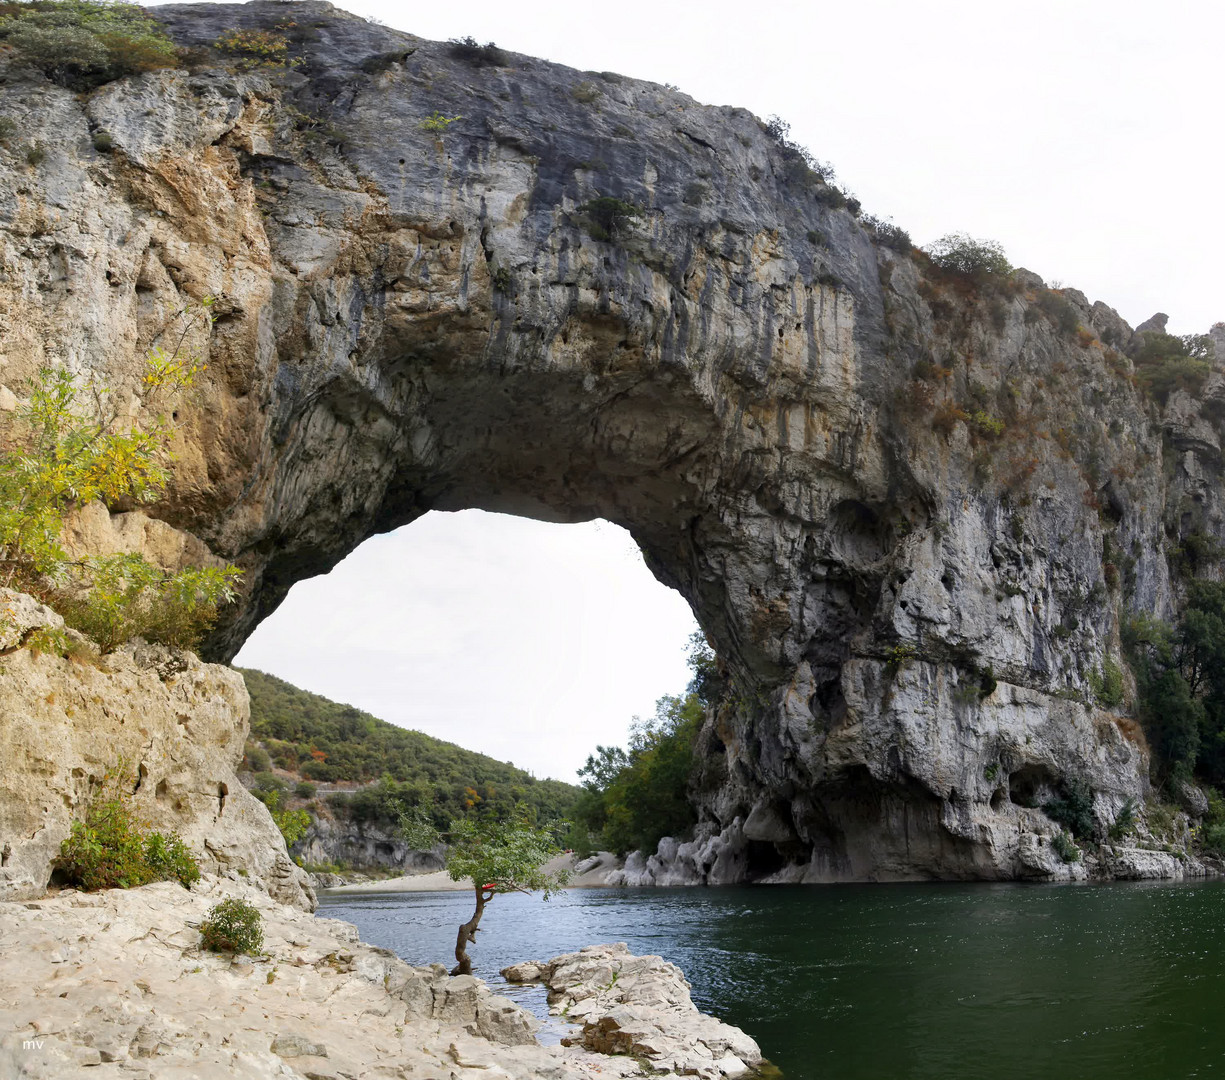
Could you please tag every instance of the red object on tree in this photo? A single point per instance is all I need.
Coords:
(491, 885)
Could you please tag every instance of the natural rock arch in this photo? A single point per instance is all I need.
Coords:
(740, 375)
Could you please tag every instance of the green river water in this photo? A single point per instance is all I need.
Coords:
(890, 981)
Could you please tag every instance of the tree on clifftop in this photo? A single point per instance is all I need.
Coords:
(498, 856)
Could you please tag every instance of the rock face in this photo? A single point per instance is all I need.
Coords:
(178, 727)
(362, 846)
(115, 984)
(908, 513)
(639, 1006)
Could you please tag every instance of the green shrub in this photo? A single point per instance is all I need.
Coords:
(1065, 848)
(119, 597)
(112, 849)
(467, 50)
(304, 789)
(257, 48)
(233, 926)
(8, 128)
(81, 44)
(1107, 684)
(1073, 808)
(1059, 311)
(986, 424)
(291, 823)
(1212, 839)
(586, 92)
(979, 260)
(608, 218)
(887, 234)
(58, 454)
(36, 154)
(1166, 363)
(169, 858)
(437, 123)
(1124, 821)
(257, 758)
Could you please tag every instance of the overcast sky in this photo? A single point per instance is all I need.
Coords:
(1084, 136)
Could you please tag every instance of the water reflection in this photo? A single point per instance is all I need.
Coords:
(916, 981)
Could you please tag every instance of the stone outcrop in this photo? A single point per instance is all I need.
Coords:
(115, 984)
(167, 725)
(362, 845)
(909, 513)
(639, 1006)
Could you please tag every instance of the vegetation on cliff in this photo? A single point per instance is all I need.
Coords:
(113, 848)
(68, 445)
(634, 797)
(308, 736)
(81, 44)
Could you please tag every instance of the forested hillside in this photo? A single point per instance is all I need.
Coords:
(324, 741)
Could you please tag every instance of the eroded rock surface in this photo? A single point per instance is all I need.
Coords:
(639, 1006)
(176, 726)
(909, 514)
(114, 984)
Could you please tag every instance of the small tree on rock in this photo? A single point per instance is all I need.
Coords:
(498, 857)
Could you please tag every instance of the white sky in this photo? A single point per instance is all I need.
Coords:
(528, 641)
(1084, 136)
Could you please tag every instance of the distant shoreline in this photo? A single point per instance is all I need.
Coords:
(440, 880)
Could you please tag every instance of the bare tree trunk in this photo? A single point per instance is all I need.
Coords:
(467, 933)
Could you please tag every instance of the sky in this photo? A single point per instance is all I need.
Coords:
(1082, 136)
(529, 641)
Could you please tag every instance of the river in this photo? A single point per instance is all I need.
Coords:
(885, 982)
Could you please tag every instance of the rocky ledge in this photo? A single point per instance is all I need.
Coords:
(115, 984)
(640, 1006)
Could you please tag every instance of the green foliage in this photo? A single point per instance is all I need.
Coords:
(233, 926)
(292, 823)
(635, 798)
(169, 858)
(119, 597)
(608, 218)
(81, 44)
(1073, 808)
(112, 848)
(887, 234)
(437, 123)
(1180, 673)
(304, 789)
(1166, 363)
(487, 55)
(586, 92)
(707, 681)
(36, 154)
(1107, 685)
(1065, 848)
(981, 261)
(255, 48)
(986, 424)
(59, 454)
(1059, 311)
(504, 856)
(256, 758)
(899, 656)
(1125, 820)
(801, 167)
(8, 128)
(323, 740)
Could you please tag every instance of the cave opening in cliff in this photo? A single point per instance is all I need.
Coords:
(527, 640)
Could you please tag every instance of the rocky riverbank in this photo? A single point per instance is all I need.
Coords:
(115, 984)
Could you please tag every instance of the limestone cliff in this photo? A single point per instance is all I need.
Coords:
(908, 514)
(176, 727)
